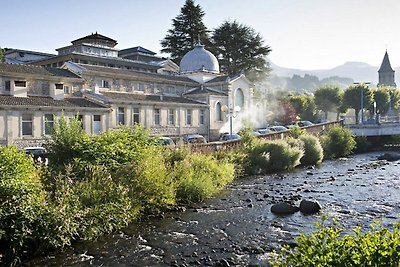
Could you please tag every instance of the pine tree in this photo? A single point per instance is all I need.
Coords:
(239, 48)
(187, 29)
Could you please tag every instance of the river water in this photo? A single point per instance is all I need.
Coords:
(237, 228)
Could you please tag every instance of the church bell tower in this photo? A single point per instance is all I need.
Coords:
(386, 73)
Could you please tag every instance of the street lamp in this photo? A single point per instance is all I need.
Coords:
(232, 112)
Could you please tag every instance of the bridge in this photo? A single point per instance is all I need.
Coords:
(376, 127)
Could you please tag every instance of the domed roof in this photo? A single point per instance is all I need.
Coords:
(199, 59)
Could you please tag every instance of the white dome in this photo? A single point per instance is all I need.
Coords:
(199, 59)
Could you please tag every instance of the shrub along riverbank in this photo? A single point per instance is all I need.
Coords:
(95, 185)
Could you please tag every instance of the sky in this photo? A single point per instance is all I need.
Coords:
(303, 34)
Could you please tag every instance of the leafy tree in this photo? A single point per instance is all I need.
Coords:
(358, 96)
(187, 29)
(240, 48)
(1, 54)
(394, 101)
(382, 100)
(328, 98)
(304, 106)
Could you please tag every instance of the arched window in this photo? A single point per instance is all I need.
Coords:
(239, 98)
(218, 112)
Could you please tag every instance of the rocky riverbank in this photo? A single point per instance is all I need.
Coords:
(239, 229)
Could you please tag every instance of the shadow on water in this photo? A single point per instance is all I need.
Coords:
(237, 228)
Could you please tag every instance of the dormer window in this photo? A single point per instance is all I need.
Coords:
(20, 83)
(59, 86)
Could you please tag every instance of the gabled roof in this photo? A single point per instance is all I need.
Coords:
(136, 49)
(219, 79)
(149, 98)
(386, 67)
(139, 74)
(205, 90)
(38, 70)
(95, 37)
(40, 101)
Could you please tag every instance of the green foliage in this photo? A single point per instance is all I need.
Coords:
(66, 141)
(382, 100)
(337, 142)
(239, 48)
(313, 152)
(200, 177)
(329, 247)
(187, 29)
(148, 181)
(1, 54)
(356, 95)
(247, 138)
(273, 156)
(22, 205)
(328, 98)
(296, 132)
(239, 159)
(304, 106)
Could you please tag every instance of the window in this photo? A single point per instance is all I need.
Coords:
(20, 83)
(105, 84)
(202, 116)
(157, 116)
(8, 86)
(239, 98)
(59, 86)
(96, 124)
(27, 124)
(171, 116)
(141, 87)
(67, 89)
(121, 115)
(188, 117)
(136, 115)
(218, 112)
(80, 119)
(48, 123)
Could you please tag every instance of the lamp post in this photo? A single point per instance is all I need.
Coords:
(231, 113)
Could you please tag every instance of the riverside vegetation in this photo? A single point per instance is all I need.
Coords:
(98, 184)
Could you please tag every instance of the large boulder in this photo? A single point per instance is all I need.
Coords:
(309, 207)
(283, 208)
(390, 156)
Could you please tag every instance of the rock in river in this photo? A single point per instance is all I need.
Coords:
(309, 207)
(283, 208)
(390, 156)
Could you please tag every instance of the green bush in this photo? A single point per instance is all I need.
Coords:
(362, 144)
(22, 206)
(313, 151)
(247, 138)
(238, 157)
(296, 132)
(200, 177)
(148, 180)
(273, 156)
(329, 247)
(337, 142)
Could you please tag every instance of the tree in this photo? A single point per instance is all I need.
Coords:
(358, 97)
(1, 54)
(304, 106)
(187, 29)
(239, 48)
(382, 100)
(328, 98)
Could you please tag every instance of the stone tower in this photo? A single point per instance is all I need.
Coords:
(386, 73)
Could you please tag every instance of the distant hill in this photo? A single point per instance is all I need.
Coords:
(343, 75)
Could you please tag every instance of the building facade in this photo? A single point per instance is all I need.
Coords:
(107, 87)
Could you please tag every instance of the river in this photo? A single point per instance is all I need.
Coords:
(237, 228)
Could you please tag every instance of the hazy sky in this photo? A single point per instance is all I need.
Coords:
(306, 34)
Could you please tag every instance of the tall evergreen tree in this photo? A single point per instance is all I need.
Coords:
(187, 29)
(240, 48)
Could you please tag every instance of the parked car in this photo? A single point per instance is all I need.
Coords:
(227, 136)
(304, 123)
(38, 154)
(265, 131)
(278, 128)
(256, 133)
(194, 139)
(166, 141)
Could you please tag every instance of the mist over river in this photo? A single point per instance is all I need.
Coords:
(237, 228)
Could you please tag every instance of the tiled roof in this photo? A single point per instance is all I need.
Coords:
(136, 49)
(141, 75)
(38, 70)
(200, 90)
(223, 78)
(149, 98)
(95, 36)
(47, 102)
